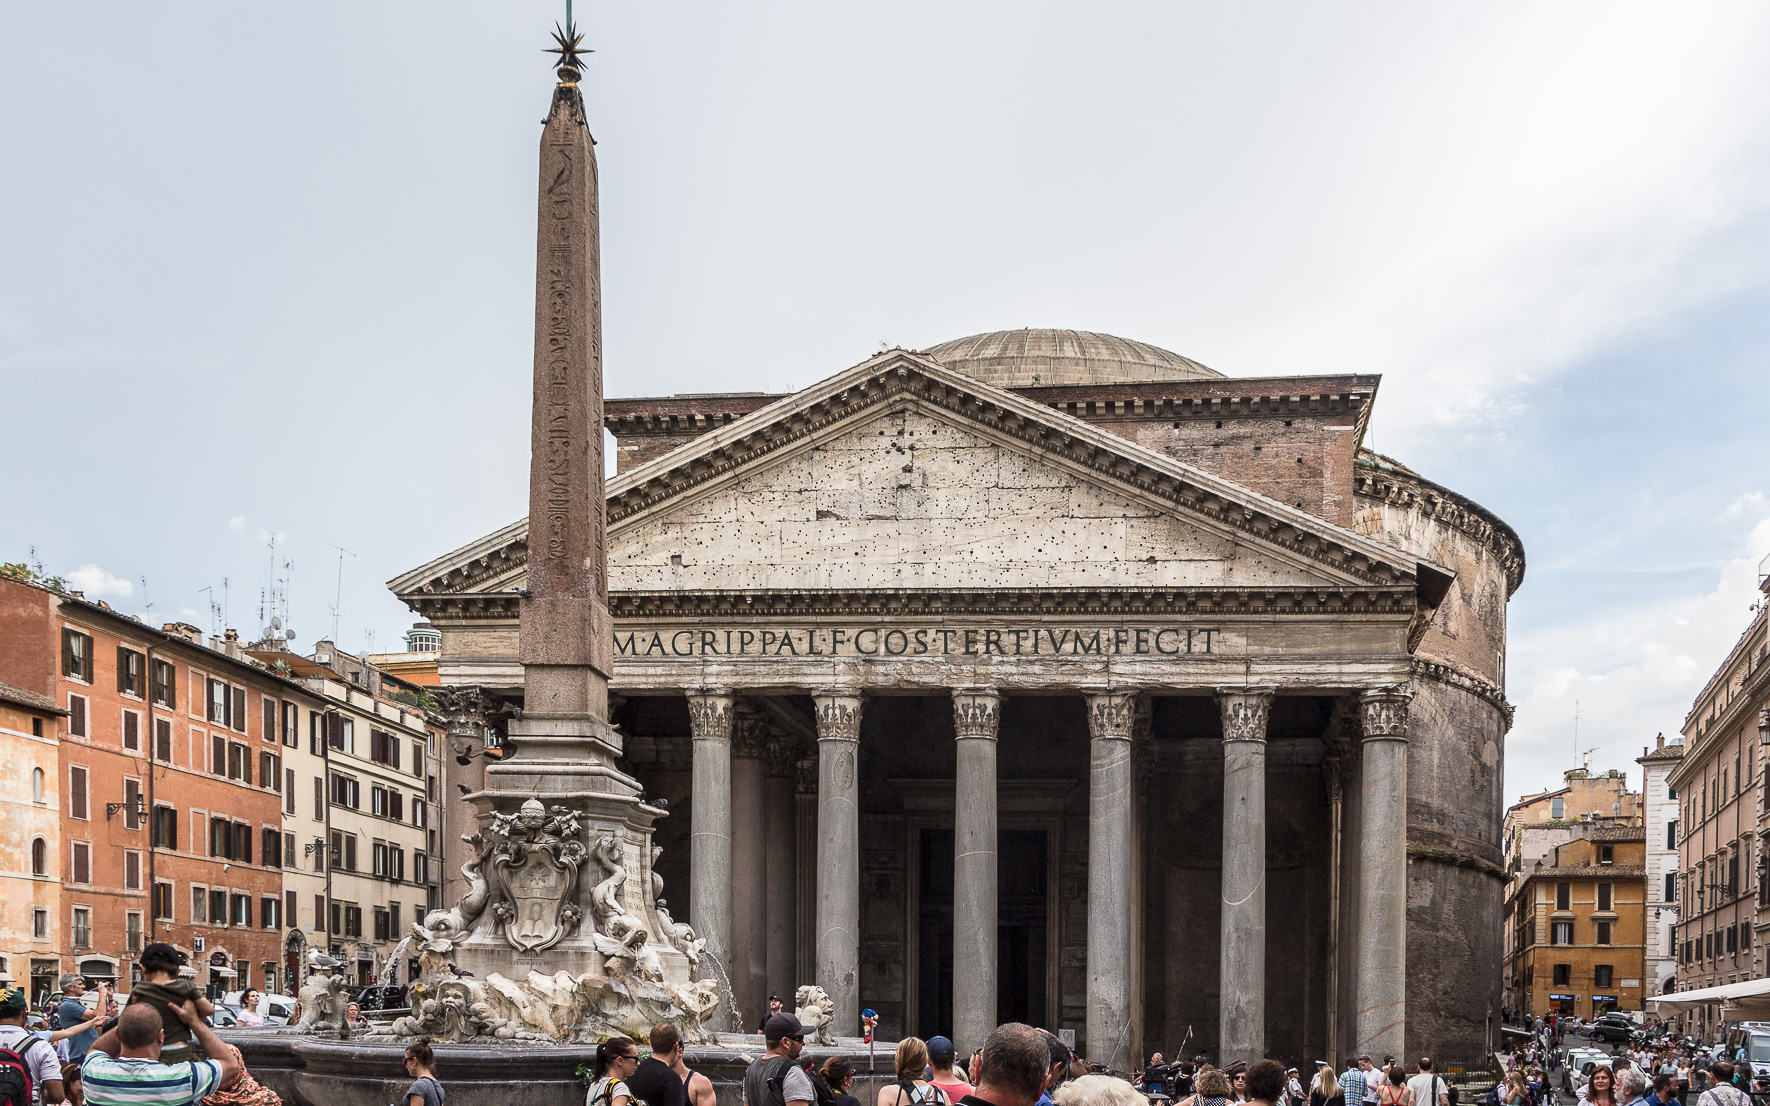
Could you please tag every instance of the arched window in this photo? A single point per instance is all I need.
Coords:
(36, 785)
(39, 857)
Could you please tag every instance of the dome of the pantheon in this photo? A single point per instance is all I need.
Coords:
(1032, 357)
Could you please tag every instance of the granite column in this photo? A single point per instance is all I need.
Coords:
(749, 870)
(1382, 904)
(838, 854)
(976, 717)
(709, 851)
(1112, 718)
(780, 835)
(1242, 971)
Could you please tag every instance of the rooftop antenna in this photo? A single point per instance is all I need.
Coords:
(149, 609)
(338, 596)
(214, 610)
(224, 615)
(1576, 759)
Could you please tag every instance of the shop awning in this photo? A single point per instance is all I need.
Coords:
(1748, 1001)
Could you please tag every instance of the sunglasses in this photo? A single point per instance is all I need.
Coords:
(800, 1037)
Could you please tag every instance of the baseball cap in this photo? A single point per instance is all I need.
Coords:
(940, 1051)
(782, 1025)
(14, 1000)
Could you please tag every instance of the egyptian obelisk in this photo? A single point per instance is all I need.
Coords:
(562, 749)
(566, 641)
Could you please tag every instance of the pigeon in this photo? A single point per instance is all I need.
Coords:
(457, 972)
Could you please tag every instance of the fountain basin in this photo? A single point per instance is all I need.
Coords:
(314, 1071)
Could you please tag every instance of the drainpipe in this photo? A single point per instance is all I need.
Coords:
(147, 687)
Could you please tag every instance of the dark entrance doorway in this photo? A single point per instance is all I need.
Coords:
(1022, 946)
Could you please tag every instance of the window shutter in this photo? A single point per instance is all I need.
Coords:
(82, 862)
(67, 652)
(350, 852)
(163, 740)
(122, 668)
(393, 744)
(77, 792)
(396, 806)
(237, 715)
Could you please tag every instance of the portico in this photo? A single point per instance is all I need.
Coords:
(968, 709)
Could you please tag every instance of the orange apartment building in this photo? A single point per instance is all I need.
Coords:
(171, 784)
(1578, 919)
(30, 841)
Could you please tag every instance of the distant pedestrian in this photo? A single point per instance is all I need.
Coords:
(73, 1012)
(1723, 1093)
(911, 1089)
(1428, 1088)
(785, 1040)
(1600, 1089)
(36, 1056)
(696, 1086)
(1356, 1081)
(615, 1060)
(1014, 1068)
(1212, 1089)
(941, 1055)
(1057, 1058)
(838, 1072)
(421, 1066)
(1394, 1089)
(655, 1082)
(1099, 1090)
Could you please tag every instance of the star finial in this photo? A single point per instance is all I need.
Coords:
(570, 47)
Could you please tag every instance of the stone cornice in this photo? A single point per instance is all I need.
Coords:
(1746, 702)
(1381, 478)
(1465, 681)
(1139, 602)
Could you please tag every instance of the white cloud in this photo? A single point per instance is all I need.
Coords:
(237, 523)
(96, 583)
(1631, 673)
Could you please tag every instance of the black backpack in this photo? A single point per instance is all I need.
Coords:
(16, 1084)
(820, 1086)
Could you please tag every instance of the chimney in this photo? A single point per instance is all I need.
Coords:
(1659, 740)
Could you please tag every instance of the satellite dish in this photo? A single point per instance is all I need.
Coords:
(275, 622)
(289, 635)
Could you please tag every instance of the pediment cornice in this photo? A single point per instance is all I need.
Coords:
(1394, 602)
(901, 379)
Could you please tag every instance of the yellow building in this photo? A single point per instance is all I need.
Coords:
(1578, 926)
(30, 839)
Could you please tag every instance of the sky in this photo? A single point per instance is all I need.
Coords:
(266, 271)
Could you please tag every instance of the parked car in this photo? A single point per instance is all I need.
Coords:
(1613, 1028)
(274, 1009)
(381, 996)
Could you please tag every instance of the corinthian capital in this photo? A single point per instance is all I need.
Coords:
(977, 711)
(1112, 715)
(463, 710)
(749, 734)
(838, 713)
(1383, 710)
(1245, 711)
(709, 713)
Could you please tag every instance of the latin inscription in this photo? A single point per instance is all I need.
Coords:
(888, 641)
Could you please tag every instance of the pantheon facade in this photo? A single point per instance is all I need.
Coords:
(1049, 676)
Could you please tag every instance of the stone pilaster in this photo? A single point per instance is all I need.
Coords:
(976, 718)
(749, 867)
(1382, 904)
(1112, 720)
(1242, 974)
(780, 832)
(709, 856)
(838, 854)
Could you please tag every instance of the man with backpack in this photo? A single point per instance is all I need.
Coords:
(777, 1079)
(1429, 1088)
(29, 1066)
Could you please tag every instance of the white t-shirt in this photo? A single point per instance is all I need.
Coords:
(1425, 1092)
(37, 1053)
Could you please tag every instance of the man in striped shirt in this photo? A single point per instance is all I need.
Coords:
(123, 1066)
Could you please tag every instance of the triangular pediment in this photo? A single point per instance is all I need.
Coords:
(899, 473)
